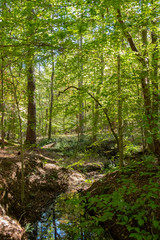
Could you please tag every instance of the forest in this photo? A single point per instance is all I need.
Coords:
(80, 119)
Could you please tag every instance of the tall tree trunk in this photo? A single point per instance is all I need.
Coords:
(2, 101)
(51, 99)
(46, 125)
(80, 84)
(96, 112)
(146, 91)
(120, 125)
(21, 136)
(31, 118)
(155, 89)
(150, 113)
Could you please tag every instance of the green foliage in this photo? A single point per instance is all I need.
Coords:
(29, 228)
(74, 221)
(129, 205)
(67, 145)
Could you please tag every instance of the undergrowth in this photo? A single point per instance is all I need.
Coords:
(133, 206)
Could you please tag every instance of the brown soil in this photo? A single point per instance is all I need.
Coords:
(44, 180)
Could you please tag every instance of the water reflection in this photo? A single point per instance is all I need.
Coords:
(66, 219)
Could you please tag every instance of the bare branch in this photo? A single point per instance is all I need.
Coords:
(105, 110)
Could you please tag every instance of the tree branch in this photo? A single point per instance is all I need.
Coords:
(129, 37)
(105, 110)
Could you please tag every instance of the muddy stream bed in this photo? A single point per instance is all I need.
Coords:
(45, 213)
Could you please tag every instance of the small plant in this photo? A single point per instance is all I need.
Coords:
(29, 228)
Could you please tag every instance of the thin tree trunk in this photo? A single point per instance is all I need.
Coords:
(155, 89)
(154, 143)
(21, 139)
(46, 127)
(96, 112)
(2, 102)
(105, 110)
(51, 100)
(80, 84)
(120, 126)
(147, 94)
(54, 222)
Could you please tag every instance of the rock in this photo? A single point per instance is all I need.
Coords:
(10, 229)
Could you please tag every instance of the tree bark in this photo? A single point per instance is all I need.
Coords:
(21, 137)
(150, 113)
(155, 89)
(51, 99)
(96, 112)
(2, 101)
(120, 125)
(31, 118)
(80, 84)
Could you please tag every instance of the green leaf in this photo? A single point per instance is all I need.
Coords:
(156, 224)
(149, 140)
(140, 222)
(136, 235)
(125, 218)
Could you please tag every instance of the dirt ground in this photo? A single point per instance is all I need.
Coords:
(44, 180)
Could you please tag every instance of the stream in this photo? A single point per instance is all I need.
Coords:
(65, 219)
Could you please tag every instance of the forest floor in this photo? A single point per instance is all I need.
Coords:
(47, 176)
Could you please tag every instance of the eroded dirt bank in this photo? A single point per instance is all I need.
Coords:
(44, 180)
(128, 193)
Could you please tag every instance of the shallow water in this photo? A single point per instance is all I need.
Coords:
(65, 219)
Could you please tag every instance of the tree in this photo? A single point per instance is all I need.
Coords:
(31, 118)
(150, 104)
